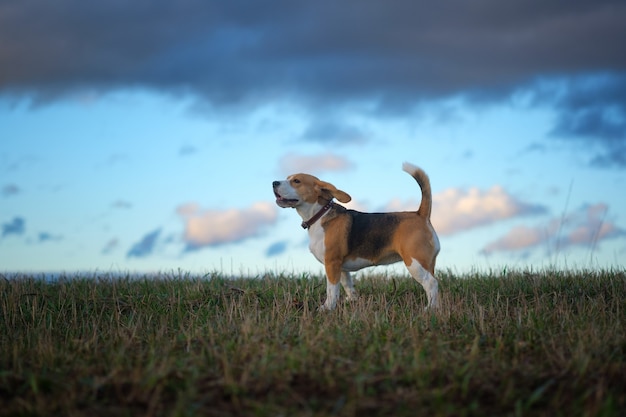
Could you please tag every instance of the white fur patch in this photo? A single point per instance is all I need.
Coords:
(409, 167)
(316, 241)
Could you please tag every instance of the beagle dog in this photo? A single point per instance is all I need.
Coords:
(347, 240)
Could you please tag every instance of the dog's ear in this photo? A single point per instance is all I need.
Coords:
(332, 191)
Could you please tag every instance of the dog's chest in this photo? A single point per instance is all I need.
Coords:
(316, 242)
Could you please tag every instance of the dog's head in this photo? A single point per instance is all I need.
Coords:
(299, 189)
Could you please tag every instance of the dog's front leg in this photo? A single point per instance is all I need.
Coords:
(332, 295)
(333, 274)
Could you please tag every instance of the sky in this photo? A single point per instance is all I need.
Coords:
(144, 136)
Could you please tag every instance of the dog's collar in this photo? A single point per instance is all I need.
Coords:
(316, 217)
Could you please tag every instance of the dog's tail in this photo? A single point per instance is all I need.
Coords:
(424, 183)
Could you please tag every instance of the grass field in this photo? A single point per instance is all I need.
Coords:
(549, 343)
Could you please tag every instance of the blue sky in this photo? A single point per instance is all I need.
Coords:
(152, 146)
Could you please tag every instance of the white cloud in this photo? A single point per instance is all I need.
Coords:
(456, 210)
(216, 227)
(293, 163)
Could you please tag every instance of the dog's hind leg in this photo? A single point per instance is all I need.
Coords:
(427, 280)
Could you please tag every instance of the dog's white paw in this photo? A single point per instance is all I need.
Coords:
(432, 307)
(324, 307)
(327, 306)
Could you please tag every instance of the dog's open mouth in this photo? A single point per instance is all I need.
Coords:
(284, 202)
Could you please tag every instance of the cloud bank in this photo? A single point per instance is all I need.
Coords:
(233, 51)
(387, 58)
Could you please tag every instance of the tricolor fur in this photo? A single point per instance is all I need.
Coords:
(347, 240)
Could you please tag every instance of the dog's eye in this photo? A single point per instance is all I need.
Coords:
(296, 181)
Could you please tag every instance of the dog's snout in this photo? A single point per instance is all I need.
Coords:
(275, 184)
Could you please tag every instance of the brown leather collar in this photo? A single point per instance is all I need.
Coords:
(316, 217)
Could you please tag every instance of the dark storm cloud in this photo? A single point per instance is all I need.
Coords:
(145, 246)
(239, 50)
(393, 55)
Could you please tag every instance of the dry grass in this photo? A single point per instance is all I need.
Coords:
(549, 343)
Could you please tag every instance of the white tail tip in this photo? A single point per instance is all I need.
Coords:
(409, 167)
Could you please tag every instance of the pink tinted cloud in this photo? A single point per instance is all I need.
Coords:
(587, 225)
(518, 238)
(216, 227)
